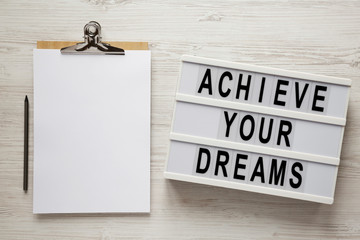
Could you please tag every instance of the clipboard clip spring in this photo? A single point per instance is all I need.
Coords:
(92, 44)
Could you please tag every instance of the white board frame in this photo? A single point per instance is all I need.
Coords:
(180, 97)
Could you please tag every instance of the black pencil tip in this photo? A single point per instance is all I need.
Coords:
(26, 98)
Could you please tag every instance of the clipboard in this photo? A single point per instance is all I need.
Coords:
(92, 30)
(62, 44)
(92, 153)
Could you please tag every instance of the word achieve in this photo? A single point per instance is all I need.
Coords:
(242, 89)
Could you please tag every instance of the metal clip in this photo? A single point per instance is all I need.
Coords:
(92, 44)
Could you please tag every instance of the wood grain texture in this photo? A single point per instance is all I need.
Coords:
(321, 37)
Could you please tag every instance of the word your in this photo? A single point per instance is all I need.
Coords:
(280, 89)
(222, 167)
(246, 128)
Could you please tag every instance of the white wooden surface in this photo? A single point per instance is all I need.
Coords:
(321, 37)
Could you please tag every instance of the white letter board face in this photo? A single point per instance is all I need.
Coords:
(258, 129)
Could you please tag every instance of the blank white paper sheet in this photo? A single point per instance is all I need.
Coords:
(91, 132)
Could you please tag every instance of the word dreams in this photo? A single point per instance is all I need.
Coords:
(227, 85)
(262, 169)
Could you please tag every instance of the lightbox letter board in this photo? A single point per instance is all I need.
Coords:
(258, 129)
